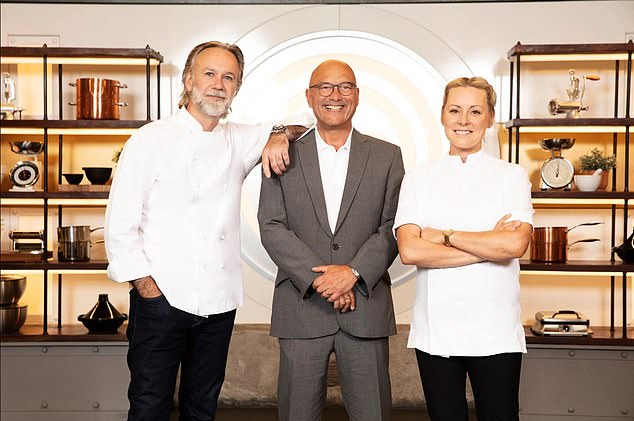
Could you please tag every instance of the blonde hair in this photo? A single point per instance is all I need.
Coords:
(193, 55)
(473, 82)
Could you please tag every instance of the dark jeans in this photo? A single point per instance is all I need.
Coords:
(495, 382)
(161, 338)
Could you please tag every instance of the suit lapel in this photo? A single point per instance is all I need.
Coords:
(309, 162)
(356, 167)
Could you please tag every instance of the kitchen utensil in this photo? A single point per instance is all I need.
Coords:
(73, 178)
(24, 175)
(626, 250)
(550, 244)
(103, 317)
(11, 288)
(27, 147)
(73, 243)
(98, 175)
(97, 98)
(561, 323)
(27, 241)
(588, 182)
(575, 95)
(557, 172)
(12, 317)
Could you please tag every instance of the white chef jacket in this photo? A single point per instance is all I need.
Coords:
(472, 310)
(174, 210)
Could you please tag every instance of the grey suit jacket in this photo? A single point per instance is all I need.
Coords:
(295, 232)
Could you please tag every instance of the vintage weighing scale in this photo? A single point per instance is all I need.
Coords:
(557, 172)
(25, 174)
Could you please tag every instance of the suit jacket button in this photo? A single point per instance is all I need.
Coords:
(335, 246)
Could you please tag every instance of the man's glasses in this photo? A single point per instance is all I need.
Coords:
(326, 89)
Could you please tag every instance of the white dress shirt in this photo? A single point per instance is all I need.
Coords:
(333, 165)
(174, 210)
(472, 310)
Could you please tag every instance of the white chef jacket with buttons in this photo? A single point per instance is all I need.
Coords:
(174, 210)
(472, 310)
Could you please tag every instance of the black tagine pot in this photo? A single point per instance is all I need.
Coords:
(103, 317)
(626, 250)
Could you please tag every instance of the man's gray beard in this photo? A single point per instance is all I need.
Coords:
(211, 109)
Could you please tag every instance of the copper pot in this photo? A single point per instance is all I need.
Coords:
(97, 98)
(550, 244)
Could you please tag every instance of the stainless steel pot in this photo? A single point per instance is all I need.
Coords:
(550, 244)
(73, 243)
(97, 98)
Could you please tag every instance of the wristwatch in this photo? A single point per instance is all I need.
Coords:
(355, 273)
(446, 234)
(279, 128)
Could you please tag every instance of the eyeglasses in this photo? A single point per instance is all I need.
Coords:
(326, 89)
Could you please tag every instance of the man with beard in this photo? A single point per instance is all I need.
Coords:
(172, 230)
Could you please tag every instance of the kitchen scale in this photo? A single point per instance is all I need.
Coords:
(557, 172)
(25, 175)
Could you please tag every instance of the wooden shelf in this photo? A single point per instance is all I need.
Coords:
(55, 195)
(570, 122)
(597, 266)
(55, 265)
(68, 333)
(73, 124)
(601, 336)
(74, 55)
(569, 49)
(574, 194)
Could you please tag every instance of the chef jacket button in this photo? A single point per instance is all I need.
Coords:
(222, 236)
(204, 266)
(335, 246)
(222, 266)
(226, 185)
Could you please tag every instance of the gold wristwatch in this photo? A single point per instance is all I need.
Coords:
(447, 234)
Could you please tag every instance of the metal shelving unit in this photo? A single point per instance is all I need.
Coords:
(619, 125)
(56, 129)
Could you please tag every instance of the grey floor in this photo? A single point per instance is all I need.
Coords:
(270, 414)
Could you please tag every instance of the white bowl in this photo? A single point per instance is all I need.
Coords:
(589, 182)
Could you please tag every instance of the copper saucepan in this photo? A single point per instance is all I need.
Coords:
(550, 244)
(97, 98)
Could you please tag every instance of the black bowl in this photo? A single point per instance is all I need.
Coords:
(73, 178)
(104, 325)
(98, 175)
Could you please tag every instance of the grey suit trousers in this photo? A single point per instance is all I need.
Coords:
(363, 376)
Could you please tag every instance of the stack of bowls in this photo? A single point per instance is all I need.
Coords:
(12, 314)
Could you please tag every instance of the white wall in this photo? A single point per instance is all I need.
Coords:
(454, 38)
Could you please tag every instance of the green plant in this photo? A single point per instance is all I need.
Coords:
(594, 159)
(116, 154)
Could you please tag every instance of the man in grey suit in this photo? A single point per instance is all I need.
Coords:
(327, 224)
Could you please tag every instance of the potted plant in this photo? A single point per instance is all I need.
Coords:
(594, 160)
(116, 154)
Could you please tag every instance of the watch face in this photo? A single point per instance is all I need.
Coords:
(557, 172)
